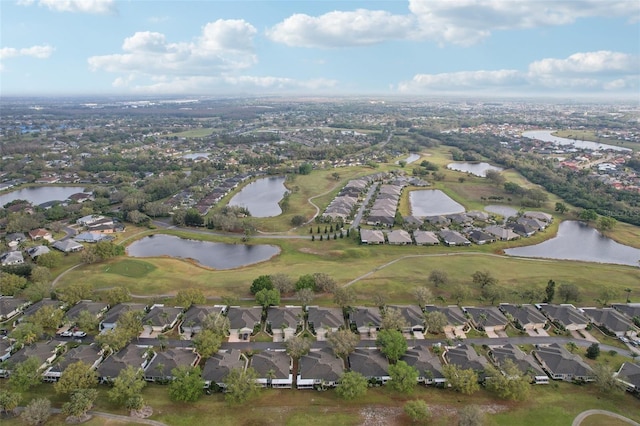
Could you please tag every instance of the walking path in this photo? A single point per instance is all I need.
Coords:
(126, 419)
(580, 417)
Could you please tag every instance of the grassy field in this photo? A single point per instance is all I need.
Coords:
(194, 133)
(589, 135)
(130, 268)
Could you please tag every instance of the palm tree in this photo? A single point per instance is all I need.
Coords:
(271, 374)
(572, 347)
(628, 290)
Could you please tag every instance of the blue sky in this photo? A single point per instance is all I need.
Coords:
(321, 47)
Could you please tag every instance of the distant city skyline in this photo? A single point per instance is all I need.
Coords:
(480, 48)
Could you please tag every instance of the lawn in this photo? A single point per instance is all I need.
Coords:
(194, 133)
(131, 268)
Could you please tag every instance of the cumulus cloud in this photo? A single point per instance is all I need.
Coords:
(461, 22)
(590, 71)
(99, 7)
(37, 51)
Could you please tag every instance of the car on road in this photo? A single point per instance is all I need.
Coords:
(79, 334)
(67, 333)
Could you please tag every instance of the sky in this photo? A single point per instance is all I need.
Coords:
(559, 48)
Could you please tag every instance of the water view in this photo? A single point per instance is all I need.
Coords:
(194, 155)
(412, 158)
(261, 197)
(577, 241)
(213, 255)
(504, 211)
(477, 169)
(40, 194)
(432, 202)
(546, 136)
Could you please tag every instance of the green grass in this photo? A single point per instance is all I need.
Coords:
(131, 268)
(601, 419)
(194, 133)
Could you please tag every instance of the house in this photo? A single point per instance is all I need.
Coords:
(96, 309)
(525, 317)
(629, 374)
(196, 315)
(160, 318)
(532, 223)
(524, 362)
(501, 233)
(273, 368)
(90, 237)
(366, 320)
(11, 306)
(81, 197)
(15, 238)
(40, 234)
(426, 238)
(413, 315)
(457, 323)
(489, 319)
(566, 316)
(465, 357)
(541, 216)
(11, 258)
(89, 354)
(479, 237)
(522, 229)
(67, 246)
(46, 352)
(611, 321)
(89, 220)
(320, 368)
(453, 238)
(161, 366)
(399, 237)
(371, 363)
(111, 317)
(631, 310)
(244, 321)
(437, 220)
(560, 364)
(219, 365)
(321, 321)
(427, 363)
(284, 323)
(368, 236)
(32, 309)
(130, 355)
(478, 215)
(460, 218)
(36, 251)
(6, 346)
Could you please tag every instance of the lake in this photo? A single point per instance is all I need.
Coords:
(40, 194)
(194, 155)
(213, 255)
(261, 197)
(432, 202)
(546, 136)
(504, 211)
(477, 169)
(577, 241)
(412, 158)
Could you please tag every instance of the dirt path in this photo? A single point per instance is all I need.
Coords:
(580, 417)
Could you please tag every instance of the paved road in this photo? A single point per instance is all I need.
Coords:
(126, 419)
(580, 417)
(363, 206)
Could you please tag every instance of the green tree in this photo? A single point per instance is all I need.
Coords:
(207, 343)
(561, 208)
(116, 295)
(193, 218)
(593, 351)
(40, 274)
(306, 281)
(606, 294)
(78, 375)
(10, 284)
(9, 401)
(392, 319)
(305, 296)
(588, 215)
(266, 298)
(48, 317)
(25, 375)
(75, 292)
(297, 346)
(50, 260)
(483, 278)
(87, 321)
(434, 322)
(550, 291)
(605, 380)
(471, 415)
(495, 177)
(461, 380)
(392, 344)
(403, 377)
(80, 402)
(187, 384)
(418, 411)
(459, 293)
(263, 282)
(305, 168)
(241, 385)
(113, 340)
(127, 386)
(422, 295)
(324, 283)
(606, 223)
(510, 383)
(217, 323)
(344, 297)
(351, 385)
(190, 296)
(37, 412)
(343, 342)
(569, 292)
(26, 333)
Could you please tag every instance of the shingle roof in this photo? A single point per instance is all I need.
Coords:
(369, 362)
(220, 364)
(288, 316)
(131, 355)
(610, 318)
(363, 317)
(466, 357)
(524, 314)
(454, 314)
(488, 316)
(112, 315)
(564, 314)
(412, 314)
(321, 364)
(88, 354)
(630, 373)
(240, 317)
(278, 362)
(196, 314)
(94, 308)
(164, 362)
(325, 317)
(423, 360)
(525, 362)
(560, 361)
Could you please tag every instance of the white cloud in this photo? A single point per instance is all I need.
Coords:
(462, 22)
(38, 51)
(99, 7)
(601, 71)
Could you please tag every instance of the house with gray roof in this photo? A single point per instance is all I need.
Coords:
(565, 315)
(273, 368)
(160, 318)
(46, 352)
(92, 237)
(426, 238)
(195, 316)
(67, 246)
(501, 233)
(488, 319)
(611, 321)
(244, 321)
(366, 320)
(110, 318)
(219, 365)
(524, 362)
(541, 216)
(6, 346)
(131, 355)
(437, 220)
(629, 375)
(91, 355)
(453, 238)
(36, 251)
(11, 258)
(32, 309)
(480, 237)
(371, 363)
(478, 215)
(399, 237)
(368, 236)
(96, 309)
(11, 306)
(284, 322)
(413, 315)
(320, 368)
(465, 357)
(522, 229)
(630, 310)
(457, 322)
(162, 364)
(560, 364)
(525, 317)
(322, 320)
(427, 363)
(536, 224)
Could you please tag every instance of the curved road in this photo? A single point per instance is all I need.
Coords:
(126, 419)
(580, 417)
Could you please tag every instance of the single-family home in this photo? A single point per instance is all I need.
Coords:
(161, 366)
(243, 322)
(196, 315)
(525, 317)
(426, 238)
(457, 323)
(560, 364)
(219, 365)
(11, 258)
(11, 306)
(399, 237)
(32, 309)
(629, 374)
(14, 239)
(413, 316)
(6, 346)
(371, 363)
(273, 368)
(110, 318)
(427, 363)
(611, 321)
(522, 229)
(465, 357)
(524, 362)
(541, 216)
(46, 352)
(284, 323)
(160, 318)
(488, 319)
(131, 355)
(89, 220)
(40, 234)
(321, 321)
(91, 237)
(630, 310)
(319, 369)
(453, 238)
(437, 220)
(566, 316)
(501, 233)
(480, 237)
(366, 320)
(91, 355)
(67, 246)
(460, 218)
(36, 251)
(368, 236)
(478, 215)
(81, 197)
(536, 224)
(96, 309)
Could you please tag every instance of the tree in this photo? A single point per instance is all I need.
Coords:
(81, 401)
(483, 278)
(25, 375)
(435, 321)
(606, 294)
(305, 168)
(510, 383)
(422, 295)
(116, 295)
(298, 220)
(392, 344)
(572, 347)
(282, 282)
(75, 292)
(266, 298)
(40, 274)
(187, 384)
(9, 401)
(193, 218)
(297, 347)
(593, 351)
(261, 283)
(417, 410)
(217, 323)
(588, 215)
(344, 297)
(37, 412)
(78, 375)
(549, 291)
(351, 385)
(393, 320)
(190, 296)
(403, 377)
(438, 278)
(87, 321)
(305, 296)
(324, 283)
(495, 177)
(569, 292)
(48, 317)
(459, 293)
(241, 385)
(470, 415)
(605, 380)
(26, 333)
(561, 208)
(127, 386)
(306, 281)
(463, 381)
(606, 223)
(532, 294)
(207, 343)
(343, 342)
(10, 284)
(493, 293)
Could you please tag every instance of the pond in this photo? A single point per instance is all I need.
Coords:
(504, 211)
(412, 158)
(577, 241)
(261, 197)
(477, 169)
(194, 155)
(432, 202)
(546, 136)
(213, 255)
(40, 194)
